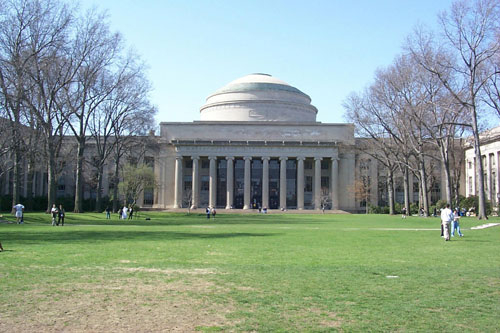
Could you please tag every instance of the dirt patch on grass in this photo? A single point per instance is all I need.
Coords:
(196, 271)
(119, 305)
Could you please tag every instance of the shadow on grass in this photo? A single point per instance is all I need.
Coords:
(118, 235)
(181, 219)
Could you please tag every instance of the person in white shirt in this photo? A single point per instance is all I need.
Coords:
(54, 213)
(19, 213)
(446, 218)
(124, 212)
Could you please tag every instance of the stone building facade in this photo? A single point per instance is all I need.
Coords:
(490, 154)
(258, 144)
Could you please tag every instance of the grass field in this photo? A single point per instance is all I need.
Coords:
(279, 273)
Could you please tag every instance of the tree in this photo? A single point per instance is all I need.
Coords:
(94, 50)
(135, 180)
(361, 111)
(17, 19)
(46, 70)
(132, 115)
(470, 42)
(361, 191)
(187, 199)
(325, 199)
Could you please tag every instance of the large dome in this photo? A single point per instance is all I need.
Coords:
(258, 97)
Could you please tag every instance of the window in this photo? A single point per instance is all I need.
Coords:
(325, 181)
(324, 165)
(188, 184)
(205, 183)
(205, 164)
(308, 164)
(308, 184)
(188, 164)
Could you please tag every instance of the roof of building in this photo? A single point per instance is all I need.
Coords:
(258, 97)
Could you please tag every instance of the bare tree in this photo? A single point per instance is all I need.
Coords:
(363, 113)
(187, 199)
(132, 114)
(43, 68)
(470, 30)
(325, 199)
(360, 189)
(94, 49)
(16, 21)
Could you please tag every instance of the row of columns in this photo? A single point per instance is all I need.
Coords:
(247, 182)
(492, 163)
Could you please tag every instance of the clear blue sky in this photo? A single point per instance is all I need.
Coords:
(327, 49)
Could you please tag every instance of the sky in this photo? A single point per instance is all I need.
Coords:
(327, 49)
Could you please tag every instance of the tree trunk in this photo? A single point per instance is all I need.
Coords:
(445, 163)
(479, 167)
(51, 170)
(116, 179)
(79, 176)
(29, 183)
(16, 176)
(423, 185)
(98, 198)
(406, 190)
(390, 191)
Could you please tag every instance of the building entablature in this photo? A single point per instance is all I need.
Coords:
(256, 151)
(265, 131)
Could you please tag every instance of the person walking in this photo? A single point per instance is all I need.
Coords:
(403, 212)
(19, 213)
(207, 211)
(446, 218)
(131, 212)
(455, 225)
(214, 212)
(61, 213)
(54, 213)
(124, 212)
(108, 213)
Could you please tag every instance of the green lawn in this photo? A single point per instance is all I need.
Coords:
(279, 273)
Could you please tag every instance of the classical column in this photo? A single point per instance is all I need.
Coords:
(489, 192)
(283, 182)
(246, 184)
(195, 191)
(265, 181)
(178, 182)
(300, 182)
(213, 181)
(317, 182)
(334, 191)
(497, 163)
(230, 182)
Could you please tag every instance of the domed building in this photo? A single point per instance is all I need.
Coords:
(257, 144)
(258, 97)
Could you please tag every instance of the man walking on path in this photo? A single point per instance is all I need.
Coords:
(446, 218)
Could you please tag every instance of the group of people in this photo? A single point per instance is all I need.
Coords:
(449, 217)
(209, 211)
(57, 213)
(125, 213)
